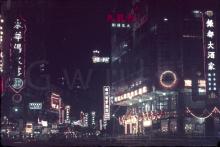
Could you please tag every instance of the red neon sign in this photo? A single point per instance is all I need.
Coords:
(120, 18)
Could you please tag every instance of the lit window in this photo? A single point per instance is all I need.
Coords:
(188, 83)
(140, 91)
(144, 89)
(113, 25)
(132, 93)
(135, 93)
(125, 96)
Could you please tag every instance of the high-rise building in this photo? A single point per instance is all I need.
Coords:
(161, 67)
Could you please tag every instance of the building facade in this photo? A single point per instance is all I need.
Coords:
(162, 70)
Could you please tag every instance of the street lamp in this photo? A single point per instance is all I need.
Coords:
(16, 109)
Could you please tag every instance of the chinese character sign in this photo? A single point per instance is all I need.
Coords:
(106, 96)
(17, 53)
(210, 44)
(120, 20)
(1, 44)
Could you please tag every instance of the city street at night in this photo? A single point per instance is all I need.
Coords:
(110, 72)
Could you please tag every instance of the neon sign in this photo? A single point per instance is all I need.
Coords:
(210, 54)
(106, 94)
(17, 55)
(1, 45)
(120, 20)
(168, 75)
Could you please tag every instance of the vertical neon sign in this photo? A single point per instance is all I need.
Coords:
(210, 45)
(17, 58)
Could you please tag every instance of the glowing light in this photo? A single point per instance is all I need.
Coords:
(125, 96)
(140, 91)
(211, 55)
(17, 83)
(132, 93)
(135, 93)
(165, 19)
(210, 45)
(144, 89)
(210, 34)
(106, 94)
(147, 123)
(209, 23)
(129, 95)
(209, 13)
(166, 85)
(201, 83)
(211, 66)
(16, 109)
(35, 106)
(215, 110)
(97, 59)
(188, 83)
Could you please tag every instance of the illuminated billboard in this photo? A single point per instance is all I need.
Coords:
(55, 101)
(106, 95)
(35, 106)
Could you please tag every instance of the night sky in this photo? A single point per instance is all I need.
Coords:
(75, 29)
(65, 33)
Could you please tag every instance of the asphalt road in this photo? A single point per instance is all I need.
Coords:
(121, 141)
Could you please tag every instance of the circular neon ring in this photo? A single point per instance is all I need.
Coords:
(168, 85)
(18, 99)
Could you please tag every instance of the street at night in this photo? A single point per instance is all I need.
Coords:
(110, 72)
